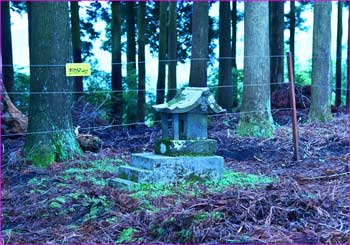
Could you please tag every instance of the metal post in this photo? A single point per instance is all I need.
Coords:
(348, 70)
(294, 110)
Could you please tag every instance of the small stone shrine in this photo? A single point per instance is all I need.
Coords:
(184, 151)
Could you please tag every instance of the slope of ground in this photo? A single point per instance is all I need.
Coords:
(265, 197)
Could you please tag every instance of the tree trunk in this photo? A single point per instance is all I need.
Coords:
(292, 32)
(75, 23)
(234, 58)
(234, 33)
(320, 108)
(348, 69)
(49, 112)
(199, 59)
(338, 78)
(12, 120)
(225, 90)
(6, 48)
(162, 52)
(255, 118)
(117, 85)
(141, 99)
(131, 64)
(276, 43)
(172, 49)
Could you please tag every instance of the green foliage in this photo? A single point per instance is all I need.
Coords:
(149, 112)
(200, 217)
(256, 124)
(97, 206)
(130, 97)
(303, 74)
(185, 234)
(237, 82)
(300, 7)
(88, 170)
(100, 81)
(55, 205)
(229, 179)
(126, 235)
(21, 84)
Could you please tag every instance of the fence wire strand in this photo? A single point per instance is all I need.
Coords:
(133, 124)
(154, 90)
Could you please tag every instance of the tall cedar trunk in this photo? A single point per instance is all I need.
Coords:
(225, 90)
(234, 33)
(6, 48)
(199, 59)
(234, 58)
(117, 85)
(162, 52)
(320, 108)
(141, 100)
(131, 63)
(172, 49)
(348, 69)
(255, 118)
(276, 43)
(338, 77)
(292, 32)
(50, 44)
(75, 22)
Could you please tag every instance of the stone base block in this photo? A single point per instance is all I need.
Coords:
(153, 168)
(121, 183)
(205, 147)
(134, 174)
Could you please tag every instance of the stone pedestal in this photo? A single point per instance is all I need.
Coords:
(205, 147)
(153, 168)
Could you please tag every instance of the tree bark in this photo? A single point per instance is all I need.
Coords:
(141, 99)
(234, 33)
(338, 77)
(292, 32)
(172, 50)
(320, 109)
(131, 64)
(6, 48)
(199, 59)
(234, 54)
(117, 84)
(162, 52)
(348, 70)
(276, 43)
(75, 23)
(49, 112)
(255, 118)
(225, 90)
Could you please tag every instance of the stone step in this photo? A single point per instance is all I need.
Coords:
(148, 160)
(134, 174)
(121, 183)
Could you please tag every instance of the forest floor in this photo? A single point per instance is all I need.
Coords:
(264, 197)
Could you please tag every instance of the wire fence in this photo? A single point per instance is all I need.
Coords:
(163, 89)
(136, 123)
(180, 60)
(145, 90)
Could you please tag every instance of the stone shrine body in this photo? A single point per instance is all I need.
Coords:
(184, 151)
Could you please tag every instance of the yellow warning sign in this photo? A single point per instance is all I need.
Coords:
(78, 69)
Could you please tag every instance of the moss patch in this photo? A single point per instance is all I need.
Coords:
(194, 188)
(56, 147)
(126, 235)
(255, 126)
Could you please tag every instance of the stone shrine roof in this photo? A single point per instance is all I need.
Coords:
(189, 99)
